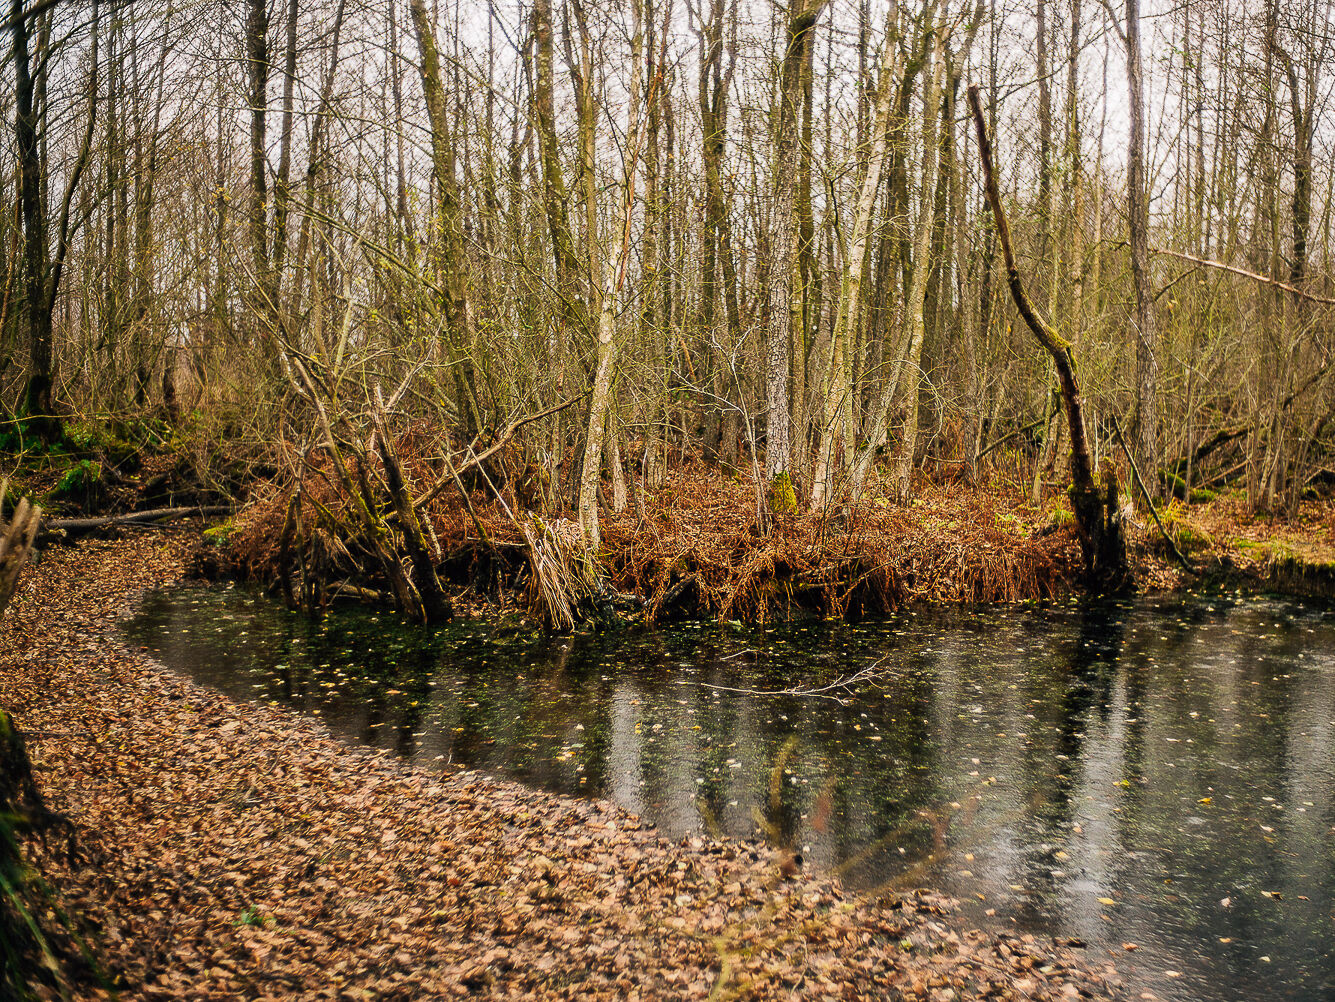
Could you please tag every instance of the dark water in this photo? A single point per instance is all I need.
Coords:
(1160, 774)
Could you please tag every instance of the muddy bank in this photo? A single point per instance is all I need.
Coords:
(692, 551)
(241, 852)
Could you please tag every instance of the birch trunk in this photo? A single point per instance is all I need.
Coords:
(784, 245)
(1147, 364)
(911, 373)
(836, 390)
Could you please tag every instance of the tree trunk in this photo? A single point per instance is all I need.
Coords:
(836, 391)
(1098, 519)
(1143, 320)
(780, 336)
(911, 370)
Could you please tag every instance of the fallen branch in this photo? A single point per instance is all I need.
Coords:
(1135, 475)
(673, 595)
(1010, 435)
(1221, 438)
(453, 473)
(845, 683)
(155, 516)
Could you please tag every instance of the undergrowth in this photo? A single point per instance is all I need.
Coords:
(690, 548)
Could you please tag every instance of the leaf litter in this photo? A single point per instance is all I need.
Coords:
(234, 851)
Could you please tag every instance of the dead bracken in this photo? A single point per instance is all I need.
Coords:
(689, 549)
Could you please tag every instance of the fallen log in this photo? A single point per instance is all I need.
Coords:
(154, 516)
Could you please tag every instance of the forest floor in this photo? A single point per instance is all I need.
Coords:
(1294, 554)
(236, 851)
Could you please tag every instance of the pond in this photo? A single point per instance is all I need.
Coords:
(1155, 778)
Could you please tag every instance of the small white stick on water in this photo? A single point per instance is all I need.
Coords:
(845, 682)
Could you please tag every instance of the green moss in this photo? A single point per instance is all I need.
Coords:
(1190, 540)
(1282, 551)
(220, 535)
(82, 434)
(782, 496)
(80, 479)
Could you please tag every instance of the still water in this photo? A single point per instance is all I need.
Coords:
(1159, 775)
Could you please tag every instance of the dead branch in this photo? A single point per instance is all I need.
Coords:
(435, 605)
(1135, 475)
(844, 683)
(154, 516)
(1244, 273)
(453, 473)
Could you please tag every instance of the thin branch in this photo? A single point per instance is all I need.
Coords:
(844, 682)
(1254, 276)
(501, 440)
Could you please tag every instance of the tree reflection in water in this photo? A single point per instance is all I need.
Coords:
(1037, 763)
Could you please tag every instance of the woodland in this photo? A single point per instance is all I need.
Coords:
(604, 311)
(435, 285)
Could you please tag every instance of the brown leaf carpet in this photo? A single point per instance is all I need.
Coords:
(240, 852)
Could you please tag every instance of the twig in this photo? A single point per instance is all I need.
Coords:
(821, 692)
(480, 458)
(1135, 474)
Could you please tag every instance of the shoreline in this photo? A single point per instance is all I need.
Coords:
(242, 851)
(690, 552)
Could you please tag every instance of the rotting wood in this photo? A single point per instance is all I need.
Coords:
(15, 543)
(435, 604)
(358, 491)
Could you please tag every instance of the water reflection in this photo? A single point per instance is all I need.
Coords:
(1162, 775)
